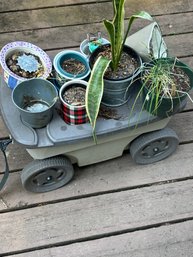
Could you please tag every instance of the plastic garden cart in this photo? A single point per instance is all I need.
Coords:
(56, 147)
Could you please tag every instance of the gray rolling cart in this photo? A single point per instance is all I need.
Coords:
(56, 147)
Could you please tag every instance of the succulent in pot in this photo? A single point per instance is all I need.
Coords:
(21, 61)
(117, 38)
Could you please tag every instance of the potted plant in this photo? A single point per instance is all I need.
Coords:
(117, 38)
(21, 61)
(70, 64)
(165, 86)
(72, 97)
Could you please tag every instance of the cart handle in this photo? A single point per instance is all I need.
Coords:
(3, 146)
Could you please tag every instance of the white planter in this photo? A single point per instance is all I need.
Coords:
(10, 77)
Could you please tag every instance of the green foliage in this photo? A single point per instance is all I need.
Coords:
(163, 79)
(95, 89)
(117, 36)
(116, 32)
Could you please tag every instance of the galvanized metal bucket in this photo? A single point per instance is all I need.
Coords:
(35, 99)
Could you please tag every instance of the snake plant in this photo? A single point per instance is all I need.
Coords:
(117, 37)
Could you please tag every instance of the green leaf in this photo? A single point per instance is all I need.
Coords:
(95, 89)
(115, 30)
(142, 15)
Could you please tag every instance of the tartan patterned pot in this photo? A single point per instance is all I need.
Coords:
(71, 113)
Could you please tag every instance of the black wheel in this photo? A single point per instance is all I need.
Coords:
(47, 175)
(154, 146)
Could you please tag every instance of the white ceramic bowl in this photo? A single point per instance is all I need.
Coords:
(10, 77)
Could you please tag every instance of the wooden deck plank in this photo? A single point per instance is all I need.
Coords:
(17, 157)
(3, 130)
(113, 175)
(96, 216)
(12, 5)
(168, 241)
(170, 25)
(157, 8)
(53, 17)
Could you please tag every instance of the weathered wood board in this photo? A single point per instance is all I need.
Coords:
(95, 217)
(169, 241)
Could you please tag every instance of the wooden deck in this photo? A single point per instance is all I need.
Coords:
(115, 208)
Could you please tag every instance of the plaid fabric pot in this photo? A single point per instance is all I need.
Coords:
(73, 114)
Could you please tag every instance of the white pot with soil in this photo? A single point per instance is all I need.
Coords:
(21, 61)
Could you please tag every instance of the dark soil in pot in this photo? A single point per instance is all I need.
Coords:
(75, 95)
(127, 65)
(73, 66)
(180, 82)
(25, 65)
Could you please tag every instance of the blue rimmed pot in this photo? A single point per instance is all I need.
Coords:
(73, 113)
(69, 65)
(31, 52)
(35, 99)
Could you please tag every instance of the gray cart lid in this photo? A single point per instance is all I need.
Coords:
(58, 132)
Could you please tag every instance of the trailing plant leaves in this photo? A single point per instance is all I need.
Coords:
(95, 89)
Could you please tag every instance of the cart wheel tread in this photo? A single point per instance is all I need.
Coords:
(154, 146)
(47, 175)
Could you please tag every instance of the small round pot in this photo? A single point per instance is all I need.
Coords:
(72, 114)
(167, 106)
(63, 76)
(84, 46)
(35, 99)
(10, 77)
(117, 91)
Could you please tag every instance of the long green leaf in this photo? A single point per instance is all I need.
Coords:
(115, 30)
(142, 15)
(95, 89)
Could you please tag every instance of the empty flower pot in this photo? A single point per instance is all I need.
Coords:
(35, 99)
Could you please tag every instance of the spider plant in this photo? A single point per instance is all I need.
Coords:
(117, 37)
(165, 83)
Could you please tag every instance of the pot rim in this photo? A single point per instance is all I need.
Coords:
(66, 85)
(135, 73)
(26, 46)
(26, 81)
(62, 73)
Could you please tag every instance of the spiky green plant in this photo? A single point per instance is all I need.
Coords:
(117, 37)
